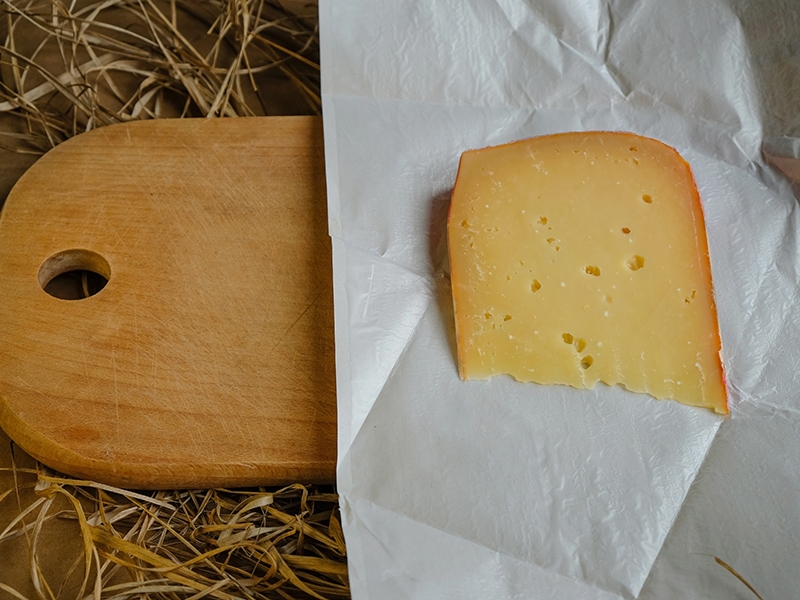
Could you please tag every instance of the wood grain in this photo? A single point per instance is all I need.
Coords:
(207, 360)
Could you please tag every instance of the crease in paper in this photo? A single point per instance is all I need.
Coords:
(419, 572)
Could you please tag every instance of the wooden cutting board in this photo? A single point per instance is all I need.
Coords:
(207, 360)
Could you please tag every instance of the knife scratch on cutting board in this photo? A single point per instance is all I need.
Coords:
(116, 390)
(308, 307)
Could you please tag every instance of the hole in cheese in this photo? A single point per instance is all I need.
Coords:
(633, 345)
(592, 270)
(635, 262)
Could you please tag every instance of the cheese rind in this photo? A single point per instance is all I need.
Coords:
(582, 257)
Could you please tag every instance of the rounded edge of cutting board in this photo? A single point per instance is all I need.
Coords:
(299, 143)
(145, 476)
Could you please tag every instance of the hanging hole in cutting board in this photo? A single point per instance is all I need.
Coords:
(74, 274)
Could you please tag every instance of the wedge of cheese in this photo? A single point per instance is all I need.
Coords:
(582, 257)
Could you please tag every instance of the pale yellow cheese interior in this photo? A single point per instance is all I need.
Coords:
(582, 257)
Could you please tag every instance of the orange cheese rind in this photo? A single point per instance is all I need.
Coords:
(582, 257)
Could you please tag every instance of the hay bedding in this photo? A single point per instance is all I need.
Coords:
(256, 543)
(70, 66)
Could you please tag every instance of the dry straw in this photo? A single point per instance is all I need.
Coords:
(255, 543)
(68, 66)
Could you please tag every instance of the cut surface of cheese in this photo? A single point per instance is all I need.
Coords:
(582, 257)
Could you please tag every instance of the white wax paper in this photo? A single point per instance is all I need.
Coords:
(497, 489)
